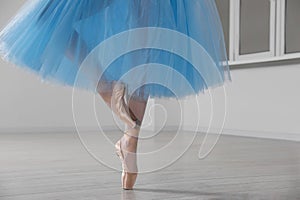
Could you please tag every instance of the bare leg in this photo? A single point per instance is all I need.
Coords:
(137, 111)
(128, 143)
(136, 107)
(106, 96)
(126, 147)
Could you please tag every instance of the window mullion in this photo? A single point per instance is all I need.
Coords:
(235, 28)
(272, 27)
(232, 30)
(280, 26)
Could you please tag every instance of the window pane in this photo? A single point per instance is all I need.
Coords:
(254, 26)
(223, 8)
(292, 26)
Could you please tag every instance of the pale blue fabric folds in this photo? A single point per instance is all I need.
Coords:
(158, 48)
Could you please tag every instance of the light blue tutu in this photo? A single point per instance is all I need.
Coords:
(158, 48)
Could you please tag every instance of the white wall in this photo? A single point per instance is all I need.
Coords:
(25, 101)
(27, 104)
(262, 101)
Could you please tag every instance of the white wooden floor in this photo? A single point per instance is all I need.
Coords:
(55, 166)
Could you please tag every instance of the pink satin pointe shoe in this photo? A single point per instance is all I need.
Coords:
(118, 104)
(128, 159)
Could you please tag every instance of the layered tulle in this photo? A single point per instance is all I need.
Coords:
(158, 48)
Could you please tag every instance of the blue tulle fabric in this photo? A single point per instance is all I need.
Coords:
(89, 44)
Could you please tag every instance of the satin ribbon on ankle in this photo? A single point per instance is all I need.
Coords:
(132, 131)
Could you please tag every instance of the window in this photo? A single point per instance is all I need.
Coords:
(260, 30)
(292, 26)
(254, 30)
(223, 8)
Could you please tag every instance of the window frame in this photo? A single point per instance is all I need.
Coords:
(281, 10)
(277, 36)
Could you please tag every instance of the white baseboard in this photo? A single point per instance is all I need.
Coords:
(52, 129)
(250, 133)
(68, 129)
(234, 132)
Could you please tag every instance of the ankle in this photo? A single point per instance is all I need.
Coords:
(129, 143)
(129, 140)
(132, 131)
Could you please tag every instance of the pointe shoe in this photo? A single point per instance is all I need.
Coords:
(118, 104)
(128, 160)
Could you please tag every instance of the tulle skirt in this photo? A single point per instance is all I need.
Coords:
(158, 48)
